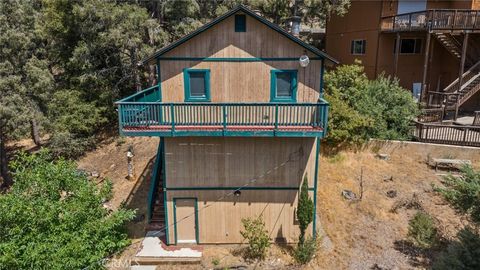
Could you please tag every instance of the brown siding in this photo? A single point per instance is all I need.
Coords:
(236, 162)
(356, 24)
(443, 67)
(242, 81)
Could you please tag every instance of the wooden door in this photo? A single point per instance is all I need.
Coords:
(185, 220)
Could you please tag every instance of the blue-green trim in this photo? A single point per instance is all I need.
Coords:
(227, 133)
(244, 9)
(235, 188)
(141, 93)
(159, 83)
(234, 59)
(153, 183)
(175, 217)
(315, 186)
(273, 85)
(186, 84)
(322, 73)
(159, 79)
(164, 174)
(240, 23)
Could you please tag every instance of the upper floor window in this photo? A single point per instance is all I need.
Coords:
(240, 23)
(197, 84)
(358, 46)
(283, 85)
(408, 46)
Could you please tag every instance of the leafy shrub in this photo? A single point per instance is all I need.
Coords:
(257, 237)
(305, 251)
(463, 192)
(305, 209)
(422, 230)
(53, 218)
(363, 109)
(461, 254)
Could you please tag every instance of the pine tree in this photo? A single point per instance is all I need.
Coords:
(304, 210)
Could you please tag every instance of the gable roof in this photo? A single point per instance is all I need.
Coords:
(246, 10)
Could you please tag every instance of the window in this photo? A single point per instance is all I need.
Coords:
(408, 46)
(283, 86)
(358, 46)
(197, 84)
(240, 23)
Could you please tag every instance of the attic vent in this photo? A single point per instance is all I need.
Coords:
(240, 23)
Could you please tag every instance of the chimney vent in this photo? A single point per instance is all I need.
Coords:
(295, 25)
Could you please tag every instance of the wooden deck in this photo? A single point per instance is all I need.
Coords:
(435, 20)
(223, 119)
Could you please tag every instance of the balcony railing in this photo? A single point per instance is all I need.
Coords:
(139, 118)
(433, 19)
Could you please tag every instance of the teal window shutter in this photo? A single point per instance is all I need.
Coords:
(196, 85)
(283, 86)
(240, 23)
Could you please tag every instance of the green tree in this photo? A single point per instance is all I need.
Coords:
(24, 77)
(304, 210)
(53, 217)
(94, 47)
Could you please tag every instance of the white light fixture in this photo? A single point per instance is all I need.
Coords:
(304, 61)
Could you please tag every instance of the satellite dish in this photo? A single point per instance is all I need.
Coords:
(304, 61)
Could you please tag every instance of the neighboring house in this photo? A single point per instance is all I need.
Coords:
(432, 46)
(240, 123)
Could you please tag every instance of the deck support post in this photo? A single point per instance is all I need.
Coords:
(425, 67)
(461, 70)
(315, 185)
(397, 52)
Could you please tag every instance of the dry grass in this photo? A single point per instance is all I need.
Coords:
(364, 232)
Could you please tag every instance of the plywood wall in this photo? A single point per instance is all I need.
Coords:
(239, 81)
(205, 162)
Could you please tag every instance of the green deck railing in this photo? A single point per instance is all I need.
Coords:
(144, 110)
(172, 115)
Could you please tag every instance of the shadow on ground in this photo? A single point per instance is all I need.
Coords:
(138, 200)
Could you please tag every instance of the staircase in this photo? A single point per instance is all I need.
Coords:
(453, 96)
(453, 44)
(450, 43)
(157, 220)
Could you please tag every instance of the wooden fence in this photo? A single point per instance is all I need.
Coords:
(447, 134)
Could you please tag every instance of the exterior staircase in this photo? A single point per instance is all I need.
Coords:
(454, 43)
(157, 219)
(470, 86)
(450, 43)
(454, 96)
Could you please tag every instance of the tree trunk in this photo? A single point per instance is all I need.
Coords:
(7, 180)
(135, 68)
(151, 75)
(34, 131)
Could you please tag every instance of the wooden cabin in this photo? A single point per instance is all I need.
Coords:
(239, 111)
